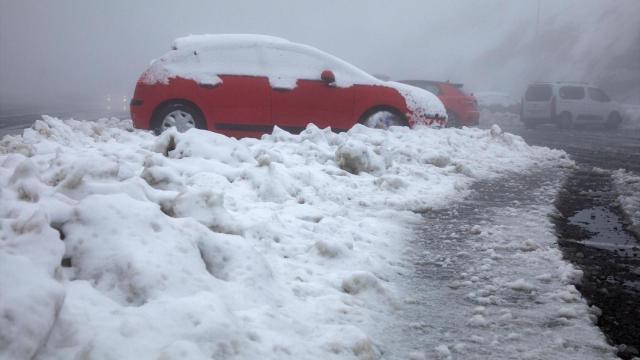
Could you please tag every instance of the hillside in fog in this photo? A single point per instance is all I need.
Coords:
(592, 41)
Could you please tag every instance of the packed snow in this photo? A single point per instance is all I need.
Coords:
(203, 58)
(485, 279)
(628, 186)
(115, 243)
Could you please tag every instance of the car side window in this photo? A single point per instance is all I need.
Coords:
(598, 95)
(286, 63)
(232, 60)
(572, 92)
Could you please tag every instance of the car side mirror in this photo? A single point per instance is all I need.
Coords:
(328, 77)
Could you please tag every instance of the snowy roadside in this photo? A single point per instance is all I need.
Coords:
(115, 243)
(489, 281)
(628, 186)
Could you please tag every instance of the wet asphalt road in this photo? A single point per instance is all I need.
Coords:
(591, 225)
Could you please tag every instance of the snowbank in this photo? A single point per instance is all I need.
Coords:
(115, 243)
(628, 186)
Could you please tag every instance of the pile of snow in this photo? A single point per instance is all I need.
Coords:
(115, 243)
(628, 186)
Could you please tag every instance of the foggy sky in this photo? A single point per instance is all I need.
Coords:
(63, 51)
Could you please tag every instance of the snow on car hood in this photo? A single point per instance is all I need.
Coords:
(423, 105)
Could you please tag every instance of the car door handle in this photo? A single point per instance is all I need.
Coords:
(209, 86)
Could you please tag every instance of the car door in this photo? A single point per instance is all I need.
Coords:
(573, 99)
(240, 104)
(298, 94)
(600, 102)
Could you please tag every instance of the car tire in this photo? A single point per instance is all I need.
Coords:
(529, 124)
(180, 115)
(614, 121)
(565, 121)
(383, 119)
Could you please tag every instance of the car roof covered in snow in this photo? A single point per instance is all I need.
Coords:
(431, 82)
(207, 41)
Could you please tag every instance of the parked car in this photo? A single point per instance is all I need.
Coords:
(462, 107)
(566, 104)
(244, 85)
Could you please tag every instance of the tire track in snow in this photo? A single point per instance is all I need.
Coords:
(487, 280)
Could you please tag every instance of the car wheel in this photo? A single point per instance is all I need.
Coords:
(179, 115)
(452, 120)
(383, 120)
(530, 124)
(614, 121)
(565, 121)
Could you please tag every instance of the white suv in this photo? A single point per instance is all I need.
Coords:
(567, 104)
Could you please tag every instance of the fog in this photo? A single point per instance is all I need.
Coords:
(78, 51)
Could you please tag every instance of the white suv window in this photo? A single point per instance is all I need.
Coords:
(538, 93)
(598, 95)
(571, 92)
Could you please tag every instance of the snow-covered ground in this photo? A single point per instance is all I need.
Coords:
(628, 186)
(115, 243)
(487, 281)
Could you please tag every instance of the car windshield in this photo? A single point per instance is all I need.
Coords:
(538, 93)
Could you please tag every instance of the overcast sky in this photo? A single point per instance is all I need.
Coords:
(66, 50)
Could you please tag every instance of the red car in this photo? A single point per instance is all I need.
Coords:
(244, 85)
(462, 108)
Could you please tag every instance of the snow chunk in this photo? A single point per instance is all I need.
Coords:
(521, 285)
(207, 207)
(360, 282)
(356, 157)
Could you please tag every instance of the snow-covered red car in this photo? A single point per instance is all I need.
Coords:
(462, 107)
(244, 85)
